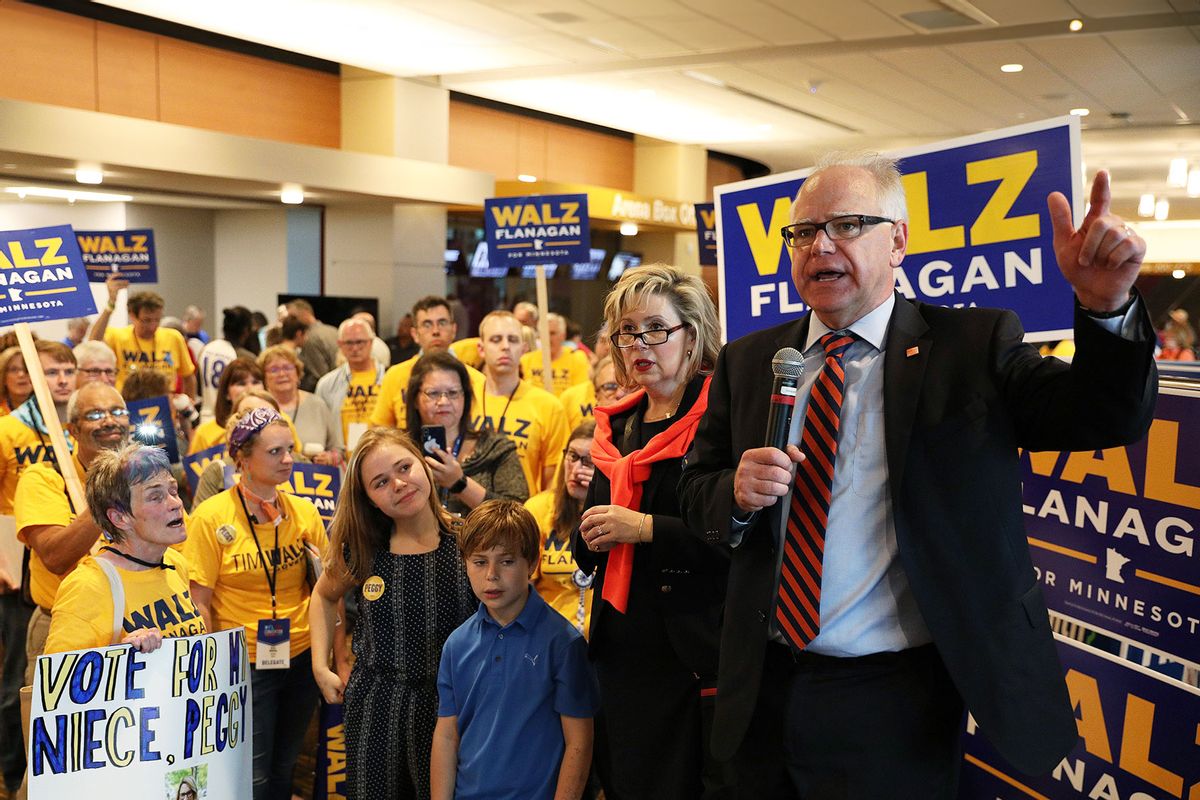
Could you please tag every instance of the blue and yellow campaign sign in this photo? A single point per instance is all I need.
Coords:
(979, 233)
(542, 229)
(706, 233)
(152, 422)
(129, 252)
(320, 484)
(42, 276)
(1113, 533)
(1137, 738)
(193, 465)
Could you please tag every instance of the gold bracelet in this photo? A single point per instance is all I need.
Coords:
(640, 524)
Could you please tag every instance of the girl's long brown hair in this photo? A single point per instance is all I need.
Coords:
(360, 530)
(568, 510)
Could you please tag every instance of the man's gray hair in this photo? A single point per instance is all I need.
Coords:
(352, 321)
(883, 171)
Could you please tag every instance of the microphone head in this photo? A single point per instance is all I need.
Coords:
(787, 363)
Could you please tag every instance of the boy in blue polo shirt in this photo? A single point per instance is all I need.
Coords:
(516, 693)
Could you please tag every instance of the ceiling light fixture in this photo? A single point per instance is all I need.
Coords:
(629, 229)
(91, 174)
(70, 195)
(1193, 182)
(1081, 112)
(1178, 274)
(1162, 209)
(1011, 67)
(1146, 206)
(523, 178)
(1075, 25)
(291, 194)
(1177, 174)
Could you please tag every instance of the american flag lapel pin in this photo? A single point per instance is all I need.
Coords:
(912, 351)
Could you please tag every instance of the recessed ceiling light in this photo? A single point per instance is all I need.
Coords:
(1011, 67)
(1193, 182)
(1146, 206)
(1075, 25)
(291, 194)
(90, 174)
(1177, 173)
(527, 178)
(1178, 274)
(1162, 209)
(1080, 112)
(70, 195)
(629, 229)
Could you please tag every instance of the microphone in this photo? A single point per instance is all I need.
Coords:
(788, 366)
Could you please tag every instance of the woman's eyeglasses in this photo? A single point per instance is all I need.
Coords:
(650, 338)
(574, 458)
(433, 395)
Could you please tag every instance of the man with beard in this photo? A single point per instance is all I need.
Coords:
(57, 534)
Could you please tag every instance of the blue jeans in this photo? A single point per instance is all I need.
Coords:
(284, 701)
(14, 619)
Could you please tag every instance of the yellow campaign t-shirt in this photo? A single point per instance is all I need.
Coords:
(467, 351)
(534, 421)
(167, 352)
(361, 396)
(557, 576)
(224, 558)
(210, 434)
(20, 448)
(154, 598)
(42, 500)
(390, 408)
(570, 368)
(578, 402)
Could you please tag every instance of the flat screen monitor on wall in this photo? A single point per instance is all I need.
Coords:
(332, 309)
(621, 262)
(589, 269)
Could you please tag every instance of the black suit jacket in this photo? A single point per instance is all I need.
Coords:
(955, 411)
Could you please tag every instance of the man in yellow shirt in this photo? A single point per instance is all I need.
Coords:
(568, 366)
(144, 344)
(528, 415)
(24, 437)
(434, 329)
(352, 389)
(57, 534)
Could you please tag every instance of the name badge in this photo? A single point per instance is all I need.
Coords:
(274, 650)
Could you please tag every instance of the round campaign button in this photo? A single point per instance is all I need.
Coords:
(373, 588)
(226, 534)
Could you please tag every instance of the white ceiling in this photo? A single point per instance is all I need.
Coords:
(781, 81)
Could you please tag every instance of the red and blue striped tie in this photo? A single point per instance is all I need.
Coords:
(798, 606)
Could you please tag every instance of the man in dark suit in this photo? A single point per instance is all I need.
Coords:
(912, 559)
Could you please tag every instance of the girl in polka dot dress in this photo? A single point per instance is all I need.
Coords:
(392, 542)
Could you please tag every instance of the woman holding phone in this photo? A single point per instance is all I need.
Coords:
(468, 466)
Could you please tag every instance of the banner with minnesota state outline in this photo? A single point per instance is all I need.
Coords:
(114, 722)
(130, 252)
(541, 229)
(1138, 739)
(1113, 533)
(42, 276)
(979, 233)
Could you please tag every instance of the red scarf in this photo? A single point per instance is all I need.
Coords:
(626, 474)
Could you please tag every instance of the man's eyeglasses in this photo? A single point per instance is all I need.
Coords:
(608, 388)
(433, 395)
(430, 324)
(354, 342)
(574, 458)
(802, 234)
(99, 372)
(97, 414)
(650, 338)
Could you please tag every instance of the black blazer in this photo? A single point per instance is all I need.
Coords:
(955, 411)
(684, 575)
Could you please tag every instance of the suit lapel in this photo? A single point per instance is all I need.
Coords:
(908, 347)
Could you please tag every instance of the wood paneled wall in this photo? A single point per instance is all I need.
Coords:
(66, 60)
(508, 145)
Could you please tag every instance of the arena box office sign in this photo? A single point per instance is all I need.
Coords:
(538, 229)
(1113, 532)
(113, 722)
(42, 276)
(979, 233)
(1137, 739)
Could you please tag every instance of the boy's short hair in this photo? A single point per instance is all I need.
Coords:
(501, 523)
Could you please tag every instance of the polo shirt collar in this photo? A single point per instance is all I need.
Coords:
(527, 620)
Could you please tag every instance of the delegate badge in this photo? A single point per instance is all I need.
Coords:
(274, 650)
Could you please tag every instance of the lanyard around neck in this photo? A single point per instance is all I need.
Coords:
(274, 571)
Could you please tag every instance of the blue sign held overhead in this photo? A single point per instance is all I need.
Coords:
(129, 252)
(542, 229)
(979, 233)
(42, 276)
(706, 233)
(152, 422)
